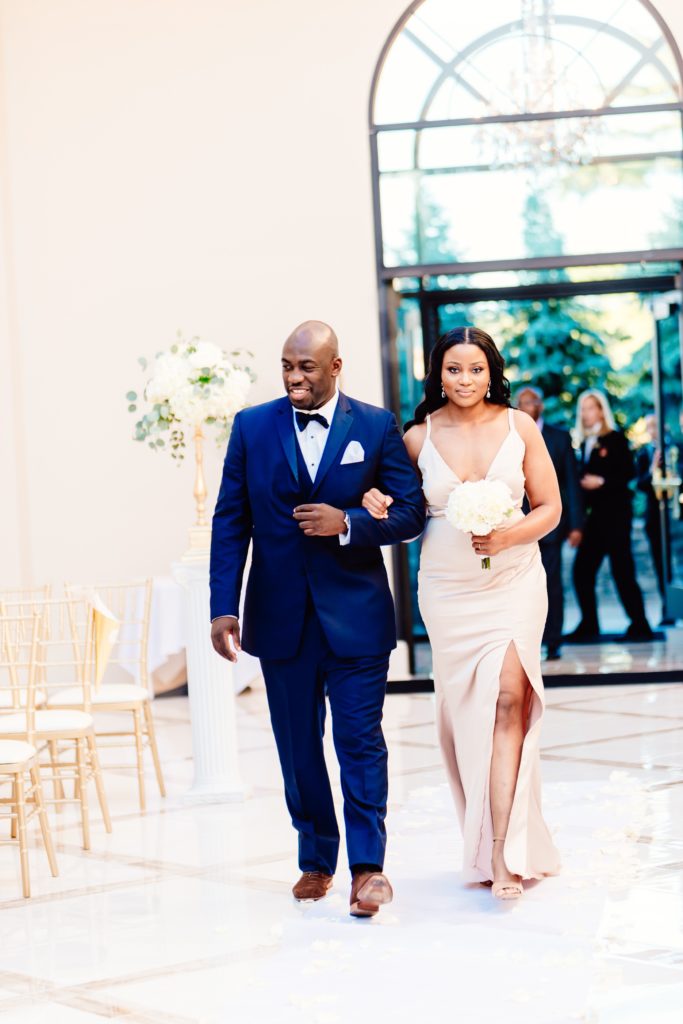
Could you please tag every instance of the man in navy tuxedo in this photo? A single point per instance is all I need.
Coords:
(318, 611)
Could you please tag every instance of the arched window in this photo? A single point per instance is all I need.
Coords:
(515, 130)
(528, 177)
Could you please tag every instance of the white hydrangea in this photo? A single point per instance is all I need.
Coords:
(479, 506)
(170, 375)
(205, 354)
(193, 383)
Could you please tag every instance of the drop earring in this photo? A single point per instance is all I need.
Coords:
(443, 393)
(488, 390)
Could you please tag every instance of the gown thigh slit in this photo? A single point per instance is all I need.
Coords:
(472, 616)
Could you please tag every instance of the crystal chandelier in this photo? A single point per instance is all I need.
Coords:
(543, 83)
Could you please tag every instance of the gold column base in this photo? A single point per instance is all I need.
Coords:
(200, 544)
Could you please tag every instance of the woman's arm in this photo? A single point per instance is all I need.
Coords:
(543, 492)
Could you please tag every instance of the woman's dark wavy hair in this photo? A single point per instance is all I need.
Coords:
(500, 385)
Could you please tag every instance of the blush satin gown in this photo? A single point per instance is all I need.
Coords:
(472, 616)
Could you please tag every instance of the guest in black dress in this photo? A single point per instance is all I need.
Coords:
(559, 445)
(605, 471)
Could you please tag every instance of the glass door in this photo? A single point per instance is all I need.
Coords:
(666, 518)
(625, 342)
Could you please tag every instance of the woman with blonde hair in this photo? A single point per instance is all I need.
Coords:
(606, 469)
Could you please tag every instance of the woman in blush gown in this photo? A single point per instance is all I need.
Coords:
(485, 625)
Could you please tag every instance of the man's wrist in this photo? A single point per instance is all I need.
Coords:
(224, 617)
(346, 523)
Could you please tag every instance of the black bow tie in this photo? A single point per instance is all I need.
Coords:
(304, 418)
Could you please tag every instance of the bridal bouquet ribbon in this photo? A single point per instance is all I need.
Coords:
(478, 507)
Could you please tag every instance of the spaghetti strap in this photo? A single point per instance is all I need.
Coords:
(511, 421)
(428, 421)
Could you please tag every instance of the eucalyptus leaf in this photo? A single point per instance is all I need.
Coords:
(132, 408)
(132, 396)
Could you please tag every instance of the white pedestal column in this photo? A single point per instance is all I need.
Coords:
(212, 698)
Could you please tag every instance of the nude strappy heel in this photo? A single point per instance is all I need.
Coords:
(506, 890)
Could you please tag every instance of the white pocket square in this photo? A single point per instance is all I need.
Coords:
(354, 453)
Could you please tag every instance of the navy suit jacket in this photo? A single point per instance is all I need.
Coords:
(347, 583)
(559, 445)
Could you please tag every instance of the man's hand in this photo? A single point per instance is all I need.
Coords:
(574, 538)
(591, 482)
(223, 629)
(320, 520)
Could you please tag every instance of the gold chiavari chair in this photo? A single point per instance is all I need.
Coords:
(19, 757)
(21, 600)
(130, 603)
(24, 595)
(65, 737)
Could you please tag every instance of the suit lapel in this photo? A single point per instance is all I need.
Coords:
(285, 427)
(339, 428)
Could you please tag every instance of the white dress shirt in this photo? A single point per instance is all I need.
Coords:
(313, 439)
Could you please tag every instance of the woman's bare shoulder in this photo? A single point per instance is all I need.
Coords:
(524, 424)
(414, 438)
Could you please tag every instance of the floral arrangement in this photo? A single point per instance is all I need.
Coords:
(193, 383)
(479, 506)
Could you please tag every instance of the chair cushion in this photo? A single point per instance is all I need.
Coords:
(12, 751)
(7, 702)
(46, 721)
(108, 693)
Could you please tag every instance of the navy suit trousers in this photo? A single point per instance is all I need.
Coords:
(296, 689)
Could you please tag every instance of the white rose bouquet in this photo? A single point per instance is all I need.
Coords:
(479, 506)
(193, 383)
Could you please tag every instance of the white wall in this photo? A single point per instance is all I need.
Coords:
(192, 164)
(166, 164)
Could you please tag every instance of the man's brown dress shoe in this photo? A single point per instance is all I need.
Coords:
(312, 885)
(369, 891)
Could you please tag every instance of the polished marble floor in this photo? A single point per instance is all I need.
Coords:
(185, 915)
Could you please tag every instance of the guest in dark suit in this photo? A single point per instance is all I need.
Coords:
(318, 611)
(559, 445)
(649, 457)
(606, 470)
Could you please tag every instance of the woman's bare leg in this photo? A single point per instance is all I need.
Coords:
(508, 737)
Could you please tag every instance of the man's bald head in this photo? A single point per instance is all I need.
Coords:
(530, 401)
(311, 364)
(315, 333)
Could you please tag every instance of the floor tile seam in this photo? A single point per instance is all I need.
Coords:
(173, 867)
(601, 711)
(220, 874)
(411, 725)
(88, 890)
(132, 1013)
(77, 1000)
(415, 744)
(614, 739)
(182, 967)
(416, 771)
(652, 688)
(678, 969)
(160, 811)
(601, 762)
